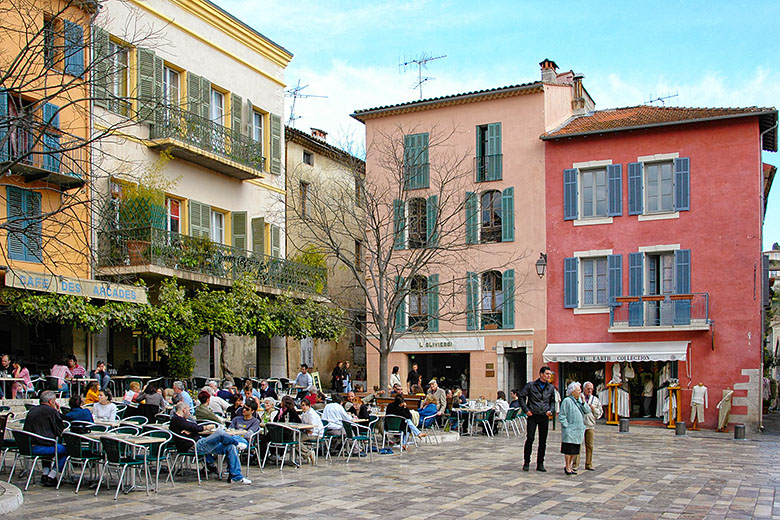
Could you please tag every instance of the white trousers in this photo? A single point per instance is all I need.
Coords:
(697, 412)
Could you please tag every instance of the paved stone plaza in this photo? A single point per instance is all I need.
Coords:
(648, 473)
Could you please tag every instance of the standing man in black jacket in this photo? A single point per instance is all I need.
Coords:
(537, 399)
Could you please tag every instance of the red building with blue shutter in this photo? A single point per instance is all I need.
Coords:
(654, 227)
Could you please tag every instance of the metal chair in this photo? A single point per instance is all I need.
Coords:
(24, 442)
(327, 438)
(159, 452)
(508, 421)
(6, 445)
(121, 409)
(126, 429)
(254, 446)
(187, 449)
(119, 454)
(395, 425)
(81, 450)
(140, 420)
(281, 437)
(431, 427)
(162, 418)
(361, 440)
(5, 409)
(485, 419)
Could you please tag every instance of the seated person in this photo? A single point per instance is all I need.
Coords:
(74, 367)
(428, 411)
(266, 390)
(311, 396)
(247, 422)
(168, 394)
(218, 443)
(228, 390)
(322, 400)
(236, 406)
(515, 398)
(309, 416)
(104, 409)
(20, 372)
(397, 389)
(133, 390)
(101, 374)
(418, 390)
(203, 411)
(501, 407)
(63, 375)
(349, 405)
(458, 399)
(360, 408)
(46, 420)
(77, 413)
(252, 394)
(335, 414)
(287, 411)
(398, 407)
(269, 411)
(92, 394)
(150, 395)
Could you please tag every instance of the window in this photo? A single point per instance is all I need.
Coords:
(418, 230)
(173, 208)
(21, 116)
(257, 128)
(488, 152)
(217, 227)
(491, 217)
(418, 303)
(416, 161)
(24, 224)
(170, 87)
(659, 194)
(51, 43)
(217, 107)
(594, 281)
(305, 202)
(594, 192)
(118, 80)
(660, 184)
(492, 300)
(308, 158)
(359, 255)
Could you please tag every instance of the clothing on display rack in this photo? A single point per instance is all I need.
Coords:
(629, 371)
(616, 378)
(666, 406)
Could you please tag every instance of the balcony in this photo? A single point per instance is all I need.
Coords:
(204, 142)
(488, 167)
(660, 313)
(57, 159)
(148, 250)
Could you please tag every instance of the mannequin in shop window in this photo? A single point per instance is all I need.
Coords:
(699, 402)
(647, 395)
(724, 409)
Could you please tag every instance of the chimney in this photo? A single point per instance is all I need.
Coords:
(548, 71)
(319, 134)
(578, 95)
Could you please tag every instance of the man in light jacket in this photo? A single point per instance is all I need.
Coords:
(590, 425)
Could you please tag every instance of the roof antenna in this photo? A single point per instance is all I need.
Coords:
(295, 93)
(421, 62)
(661, 99)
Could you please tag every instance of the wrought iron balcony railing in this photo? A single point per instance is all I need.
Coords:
(664, 311)
(59, 159)
(152, 246)
(204, 134)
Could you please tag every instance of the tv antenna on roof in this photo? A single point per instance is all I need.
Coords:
(295, 93)
(421, 62)
(662, 99)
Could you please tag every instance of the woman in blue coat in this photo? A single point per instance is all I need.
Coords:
(572, 419)
(428, 411)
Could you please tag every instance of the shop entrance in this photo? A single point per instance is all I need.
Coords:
(580, 372)
(646, 377)
(516, 369)
(448, 369)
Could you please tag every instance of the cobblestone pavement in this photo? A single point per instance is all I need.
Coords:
(648, 473)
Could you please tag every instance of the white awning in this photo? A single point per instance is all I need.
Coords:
(616, 352)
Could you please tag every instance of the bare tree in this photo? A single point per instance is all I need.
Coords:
(408, 216)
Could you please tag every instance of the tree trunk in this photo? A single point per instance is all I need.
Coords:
(384, 354)
(226, 373)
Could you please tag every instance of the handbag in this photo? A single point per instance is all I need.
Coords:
(629, 373)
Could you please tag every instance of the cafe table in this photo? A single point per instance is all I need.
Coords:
(6, 387)
(470, 415)
(137, 441)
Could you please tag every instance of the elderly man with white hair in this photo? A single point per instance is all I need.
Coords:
(591, 400)
(216, 403)
(572, 418)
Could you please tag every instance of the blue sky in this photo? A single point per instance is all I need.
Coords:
(715, 53)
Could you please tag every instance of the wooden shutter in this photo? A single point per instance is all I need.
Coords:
(409, 155)
(4, 125)
(147, 83)
(508, 305)
(508, 215)
(399, 224)
(472, 220)
(276, 241)
(472, 304)
(236, 116)
(51, 140)
(101, 67)
(16, 223)
(276, 144)
(635, 202)
(635, 286)
(433, 303)
(432, 217)
(615, 190)
(423, 166)
(682, 167)
(34, 227)
(570, 204)
(615, 277)
(682, 282)
(194, 95)
(494, 152)
(200, 219)
(400, 311)
(74, 48)
(238, 221)
(570, 283)
(258, 236)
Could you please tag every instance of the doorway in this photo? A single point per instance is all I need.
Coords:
(450, 370)
(516, 367)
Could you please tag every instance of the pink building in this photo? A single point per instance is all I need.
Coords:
(654, 226)
(488, 333)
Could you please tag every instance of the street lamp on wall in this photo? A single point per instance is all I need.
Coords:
(541, 265)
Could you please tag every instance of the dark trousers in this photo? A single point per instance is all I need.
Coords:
(541, 422)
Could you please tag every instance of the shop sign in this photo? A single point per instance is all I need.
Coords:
(429, 344)
(75, 286)
(612, 358)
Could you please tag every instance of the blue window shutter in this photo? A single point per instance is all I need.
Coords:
(682, 281)
(399, 224)
(635, 188)
(615, 189)
(432, 217)
(16, 223)
(51, 149)
(472, 207)
(74, 48)
(433, 303)
(682, 184)
(615, 275)
(472, 286)
(635, 288)
(570, 288)
(34, 226)
(51, 115)
(494, 152)
(4, 125)
(570, 194)
(508, 305)
(508, 215)
(400, 311)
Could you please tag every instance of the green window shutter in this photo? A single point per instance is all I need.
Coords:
(472, 293)
(409, 153)
(205, 100)
(258, 236)
(494, 172)
(472, 223)
(276, 144)
(433, 303)
(508, 304)
(399, 224)
(276, 241)
(423, 166)
(508, 215)
(74, 49)
(432, 213)
(236, 119)
(200, 219)
(400, 311)
(101, 67)
(238, 220)
(194, 95)
(4, 125)
(16, 223)
(34, 226)
(147, 83)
